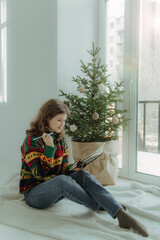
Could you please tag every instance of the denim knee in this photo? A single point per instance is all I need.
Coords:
(83, 174)
(84, 178)
(60, 179)
(63, 180)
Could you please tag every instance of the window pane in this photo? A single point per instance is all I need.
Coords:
(149, 89)
(115, 43)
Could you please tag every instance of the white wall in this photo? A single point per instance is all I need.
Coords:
(45, 44)
(77, 29)
(32, 73)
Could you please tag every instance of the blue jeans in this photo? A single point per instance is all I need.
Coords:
(80, 187)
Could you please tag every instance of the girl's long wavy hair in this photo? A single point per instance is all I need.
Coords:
(49, 109)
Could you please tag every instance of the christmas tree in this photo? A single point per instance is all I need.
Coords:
(95, 116)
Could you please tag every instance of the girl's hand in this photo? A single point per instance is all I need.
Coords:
(48, 139)
(77, 169)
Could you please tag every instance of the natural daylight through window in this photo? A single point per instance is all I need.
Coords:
(133, 52)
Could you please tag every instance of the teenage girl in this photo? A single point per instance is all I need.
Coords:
(45, 172)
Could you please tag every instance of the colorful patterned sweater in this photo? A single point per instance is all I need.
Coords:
(41, 162)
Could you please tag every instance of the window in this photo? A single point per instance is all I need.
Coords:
(136, 62)
(111, 63)
(111, 50)
(111, 39)
(115, 56)
(3, 51)
(112, 25)
(120, 20)
(120, 36)
(148, 126)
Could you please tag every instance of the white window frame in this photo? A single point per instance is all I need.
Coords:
(131, 61)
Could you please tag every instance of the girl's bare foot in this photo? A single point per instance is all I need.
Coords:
(127, 221)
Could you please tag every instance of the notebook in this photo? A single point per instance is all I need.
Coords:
(85, 161)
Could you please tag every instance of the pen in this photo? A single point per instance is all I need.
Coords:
(41, 136)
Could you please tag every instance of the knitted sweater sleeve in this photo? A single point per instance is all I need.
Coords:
(65, 163)
(38, 160)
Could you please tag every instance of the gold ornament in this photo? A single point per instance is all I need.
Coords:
(81, 89)
(115, 120)
(95, 116)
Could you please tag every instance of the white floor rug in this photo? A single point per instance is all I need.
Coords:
(67, 220)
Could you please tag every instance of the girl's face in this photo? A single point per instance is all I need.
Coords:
(57, 123)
